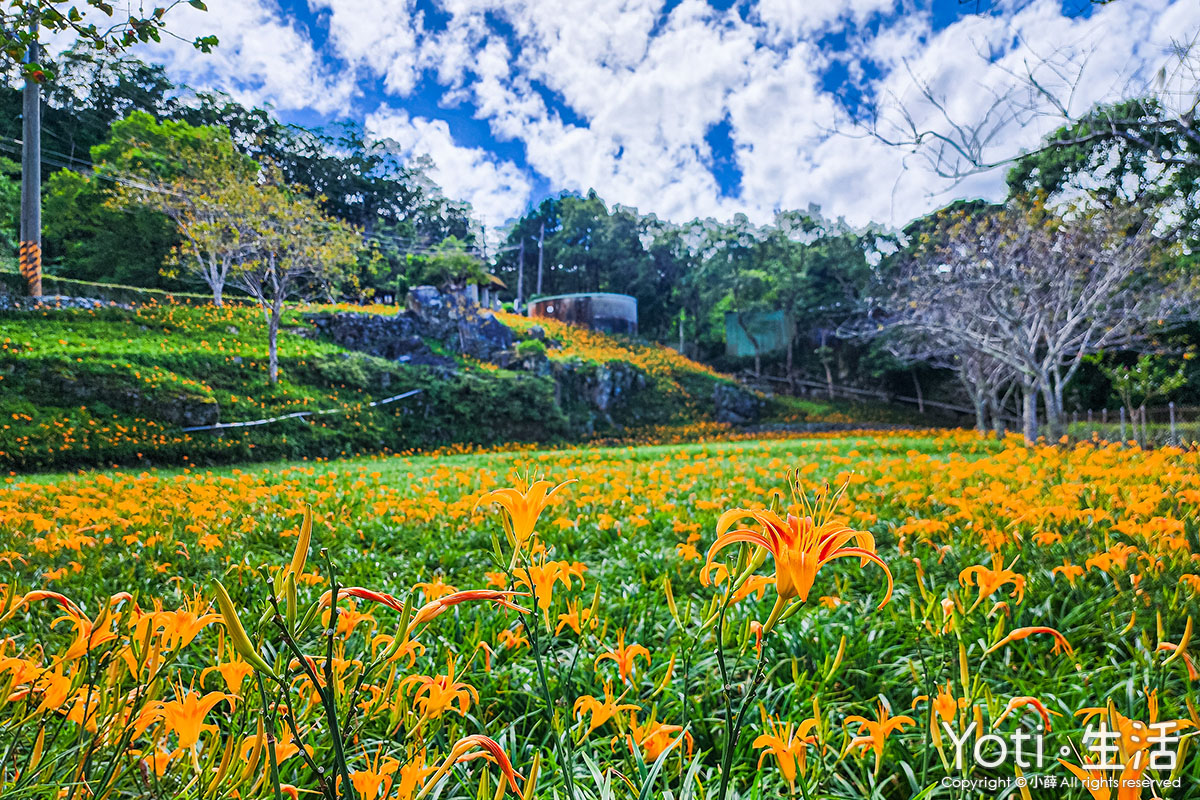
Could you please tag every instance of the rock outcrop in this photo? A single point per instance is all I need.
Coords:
(735, 404)
(593, 396)
(450, 318)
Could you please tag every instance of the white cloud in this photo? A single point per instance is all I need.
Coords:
(618, 96)
(382, 36)
(262, 57)
(497, 190)
(788, 20)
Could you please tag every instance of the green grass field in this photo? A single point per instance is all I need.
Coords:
(988, 544)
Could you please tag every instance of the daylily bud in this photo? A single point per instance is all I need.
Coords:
(300, 556)
(237, 634)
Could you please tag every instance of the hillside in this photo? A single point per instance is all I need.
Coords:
(115, 386)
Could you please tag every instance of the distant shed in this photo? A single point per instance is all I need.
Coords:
(601, 311)
(761, 332)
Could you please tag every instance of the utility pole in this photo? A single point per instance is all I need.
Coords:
(541, 249)
(520, 277)
(31, 177)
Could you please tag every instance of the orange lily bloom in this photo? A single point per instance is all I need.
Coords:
(412, 777)
(540, 579)
(485, 747)
(233, 672)
(989, 580)
(1031, 702)
(601, 711)
(510, 639)
(624, 656)
(575, 618)
(654, 737)
(522, 504)
(435, 589)
(435, 695)
(364, 594)
(873, 733)
(181, 626)
(789, 744)
(945, 708)
(1069, 571)
(1060, 641)
(87, 636)
(1134, 738)
(1180, 650)
(803, 542)
(185, 714)
(375, 776)
(435, 608)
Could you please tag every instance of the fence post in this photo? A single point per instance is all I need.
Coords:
(1171, 409)
(1123, 439)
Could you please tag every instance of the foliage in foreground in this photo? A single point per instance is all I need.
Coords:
(1032, 587)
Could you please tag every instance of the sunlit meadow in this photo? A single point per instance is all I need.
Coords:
(823, 617)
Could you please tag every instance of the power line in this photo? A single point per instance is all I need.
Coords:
(87, 168)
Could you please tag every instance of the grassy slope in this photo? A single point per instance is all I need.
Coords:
(87, 388)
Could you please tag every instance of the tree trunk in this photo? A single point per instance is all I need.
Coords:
(757, 362)
(1029, 413)
(920, 395)
(980, 413)
(217, 289)
(998, 426)
(790, 375)
(273, 341)
(1053, 418)
(828, 377)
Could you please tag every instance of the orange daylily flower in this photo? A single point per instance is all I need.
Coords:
(624, 656)
(181, 626)
(435, 608)
(1069, 571)
(1134, 739)
(990, 580)
(540, 578)
(374, 777)
(435, 589)
(873, 733)
(803, 542)
(788, 743)
(1031, 702)
(233, 672)
(575, 618)
(434, 696)
(1060, 641)
(522, 504)
(185, 714)
(653, 737)
(601, 711)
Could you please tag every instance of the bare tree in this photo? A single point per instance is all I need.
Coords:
(1156, 114)
(987, 381)
(1020, 293)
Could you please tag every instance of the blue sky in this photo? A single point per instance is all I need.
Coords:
(682, 108)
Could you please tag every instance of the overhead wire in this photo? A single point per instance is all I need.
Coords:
(406, 246)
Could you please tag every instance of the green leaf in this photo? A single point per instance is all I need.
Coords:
(198, 4)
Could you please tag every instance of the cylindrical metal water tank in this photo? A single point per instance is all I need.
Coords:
(601, 311)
